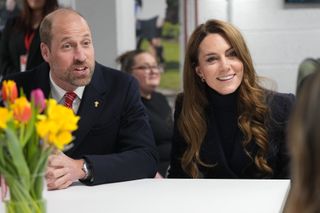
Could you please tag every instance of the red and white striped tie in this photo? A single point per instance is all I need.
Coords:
(69, 98)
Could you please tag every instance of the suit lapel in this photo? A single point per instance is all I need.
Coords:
(44, 80)
(239, 159)
(213, 148)
(92, 104)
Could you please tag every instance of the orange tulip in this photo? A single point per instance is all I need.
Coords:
(22, 110)
(9, 91)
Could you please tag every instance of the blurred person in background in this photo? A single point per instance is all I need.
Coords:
(8, 11)
(20, 41)
(150, 15)
(304, 147)
(144, 67)
(306, 68)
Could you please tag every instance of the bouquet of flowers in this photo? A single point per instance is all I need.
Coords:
(29, 132)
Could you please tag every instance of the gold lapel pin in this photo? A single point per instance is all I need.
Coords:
(96, 104)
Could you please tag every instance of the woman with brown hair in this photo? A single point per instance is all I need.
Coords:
(20, 41)
(226, 125)
(304, 146)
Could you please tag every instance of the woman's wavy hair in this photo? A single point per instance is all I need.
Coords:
(252, 107)
(26, 22)
(304, 147)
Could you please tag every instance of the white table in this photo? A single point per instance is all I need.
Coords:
(172, 195)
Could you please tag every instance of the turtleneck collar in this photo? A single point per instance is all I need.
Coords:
(217, 100)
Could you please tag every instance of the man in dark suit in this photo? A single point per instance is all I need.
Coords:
(114, 141)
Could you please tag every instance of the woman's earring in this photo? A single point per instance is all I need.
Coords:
(203, 79)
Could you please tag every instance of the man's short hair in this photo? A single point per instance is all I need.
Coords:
(45, 30)
(46, 24)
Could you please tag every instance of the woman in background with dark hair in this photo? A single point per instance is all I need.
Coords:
(304, 146)
(144, 67)
(20, 42)
(225, 124)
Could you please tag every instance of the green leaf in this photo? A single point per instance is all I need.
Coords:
(17, 155)
(30, 127)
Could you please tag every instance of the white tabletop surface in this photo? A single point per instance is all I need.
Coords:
(171, 195)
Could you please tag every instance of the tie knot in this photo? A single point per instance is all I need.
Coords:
(69, 98)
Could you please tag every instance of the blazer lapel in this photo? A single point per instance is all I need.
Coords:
(212, 152)
(239, 159)
(92, 104)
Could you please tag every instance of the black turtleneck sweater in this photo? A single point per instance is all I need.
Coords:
(222, 151)
(223, 111)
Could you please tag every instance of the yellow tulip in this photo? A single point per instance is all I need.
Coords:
(5, 116)
(56, 126)
(29, 131)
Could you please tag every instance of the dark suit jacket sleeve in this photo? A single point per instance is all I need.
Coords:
(135, 154)
(178, 145)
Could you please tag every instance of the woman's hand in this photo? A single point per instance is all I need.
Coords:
(158, 176)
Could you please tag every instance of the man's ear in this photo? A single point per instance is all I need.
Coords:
(45, 51)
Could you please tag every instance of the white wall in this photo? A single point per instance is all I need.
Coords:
(67, 3)
(112, 24)
(125, 22)
(279, 36)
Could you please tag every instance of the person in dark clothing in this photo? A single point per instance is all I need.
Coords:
(20, 40)
(144, 67)
(225, 124)
(8, 11)
(160, 118)
(114, 141)
(150, 15)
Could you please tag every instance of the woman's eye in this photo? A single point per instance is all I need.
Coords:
(232, 54)
(211, 59)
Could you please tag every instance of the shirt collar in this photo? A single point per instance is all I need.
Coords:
(57, 92)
